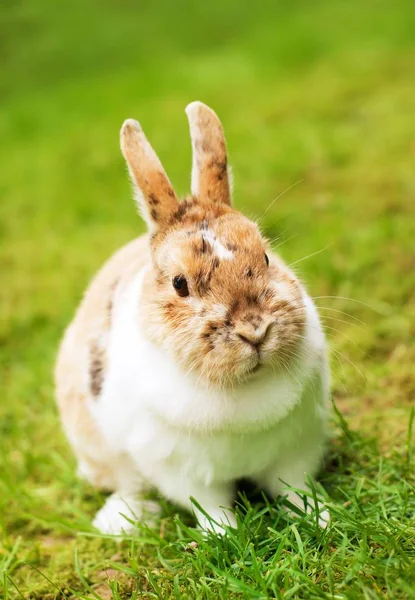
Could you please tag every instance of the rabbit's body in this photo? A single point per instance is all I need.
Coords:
(139, 419)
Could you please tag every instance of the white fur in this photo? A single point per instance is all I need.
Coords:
(218, 248)
(189, 440)
(121, 511)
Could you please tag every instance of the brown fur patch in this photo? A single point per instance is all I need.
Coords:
(153, 200)
(184, 208)
(251, 300)
(97, 358)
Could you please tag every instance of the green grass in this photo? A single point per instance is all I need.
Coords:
(317, 92)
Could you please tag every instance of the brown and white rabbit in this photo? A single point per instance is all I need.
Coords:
(196, 356)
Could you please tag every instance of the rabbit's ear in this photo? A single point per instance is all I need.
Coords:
(154, 193)
(210, 177)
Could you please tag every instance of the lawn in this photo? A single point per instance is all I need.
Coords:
(317, 99)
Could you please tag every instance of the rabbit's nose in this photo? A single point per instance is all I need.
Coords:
(254, 336)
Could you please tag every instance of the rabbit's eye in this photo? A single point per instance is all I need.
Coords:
(266, 259)
(180, 285)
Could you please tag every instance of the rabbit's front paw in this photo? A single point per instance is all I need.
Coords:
(120, 512)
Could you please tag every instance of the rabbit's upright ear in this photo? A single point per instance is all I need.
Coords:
(210, 175)
(154, 193)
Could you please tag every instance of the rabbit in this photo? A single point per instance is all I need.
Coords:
(196, 357)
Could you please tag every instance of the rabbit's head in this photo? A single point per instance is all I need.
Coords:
(215, 297)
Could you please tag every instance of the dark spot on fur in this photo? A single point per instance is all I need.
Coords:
(109, 310)
(249, 273)
(170, 192)
(154, 214)
(226, 336)
(221, 166)
(232, 247)
(231, 311)
(96, 369)
(251, 300)
(204, 224)
(255, 320)
(184, 207)
(209, 331)
(205, 245)
(153, 200)
(234, 306)
(110, 302)
(180, 212)
(215, 263)
(202, 280)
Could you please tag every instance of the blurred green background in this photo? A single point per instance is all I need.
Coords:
(320, 93)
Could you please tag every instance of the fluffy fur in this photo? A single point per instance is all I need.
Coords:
(186, 390)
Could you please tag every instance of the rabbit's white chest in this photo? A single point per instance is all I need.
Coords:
(206, 458)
